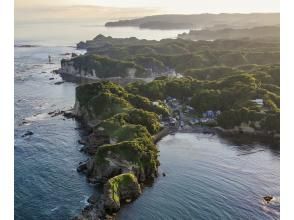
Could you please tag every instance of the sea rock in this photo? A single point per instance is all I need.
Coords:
(24, 122)
(28, 133)
(51, 78)
(82, 142)
(58, 83)
(68, 114)
(93, 199)
(268, 198)
(119, 189)
(55, 113)
(93, 180)
(93, 212)
(82, 167)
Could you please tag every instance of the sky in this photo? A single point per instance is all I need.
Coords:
(37, 11)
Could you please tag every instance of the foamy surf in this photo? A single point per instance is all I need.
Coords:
(37, 117)
(54, 209)
(85, 200)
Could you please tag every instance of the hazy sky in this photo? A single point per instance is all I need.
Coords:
(71, 10)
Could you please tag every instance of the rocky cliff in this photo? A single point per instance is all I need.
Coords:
(121, 143)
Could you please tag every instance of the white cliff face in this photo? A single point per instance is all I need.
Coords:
(67, 68)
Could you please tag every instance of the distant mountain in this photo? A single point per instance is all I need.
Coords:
(264, 32)
(197, 21)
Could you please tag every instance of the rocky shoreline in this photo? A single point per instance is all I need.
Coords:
(121, 146)
(104, 207)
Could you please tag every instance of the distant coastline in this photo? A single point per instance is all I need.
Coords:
(196, 21)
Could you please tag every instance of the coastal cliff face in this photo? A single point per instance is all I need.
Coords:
(68, 68)
(131, 58)
(123, 188)
(97, 67)
(121, 141)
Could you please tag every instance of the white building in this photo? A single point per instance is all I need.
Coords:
(258, 101)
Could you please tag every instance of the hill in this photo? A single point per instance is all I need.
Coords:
(194, 21)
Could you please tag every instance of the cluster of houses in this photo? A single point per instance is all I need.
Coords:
(187, 114)
(184, 110)
(207, 117)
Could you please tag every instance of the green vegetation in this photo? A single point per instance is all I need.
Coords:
(195, 21)
(269, 122)
(105, 99)
(230, 90)
(140, 153)
(111, 57)
(269, 33)
(122, 182)
(102, 67)
(237, 79)
(144, 103)
(128, 120)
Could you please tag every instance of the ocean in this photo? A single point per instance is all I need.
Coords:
(207, 177)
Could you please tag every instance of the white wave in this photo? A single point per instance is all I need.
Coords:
(37, 117)
(54, 209)
(85, 200)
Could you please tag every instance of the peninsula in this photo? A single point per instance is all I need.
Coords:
(229, 86)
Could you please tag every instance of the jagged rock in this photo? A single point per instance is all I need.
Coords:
(55, 113)
(95, 139)
(58, 83)
(82, 142)
(82, 167)
(93, 212)
(28, 133)
(83, 149)
(268, 198)
(65, 54)
(93, 199)
(24, 122)
(68, 114)
(92, 180)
